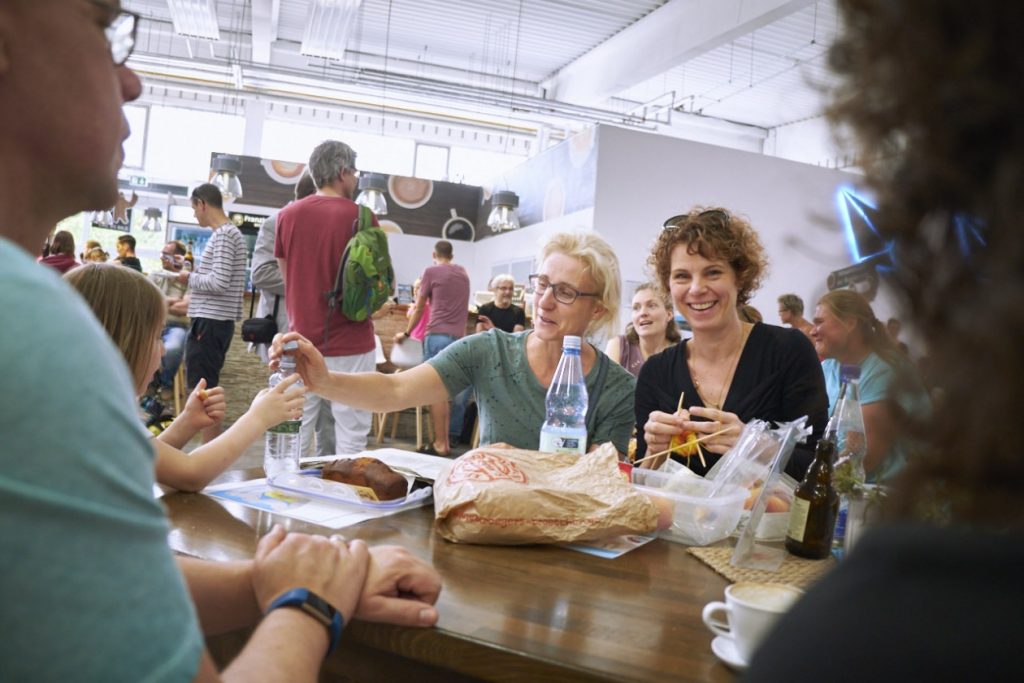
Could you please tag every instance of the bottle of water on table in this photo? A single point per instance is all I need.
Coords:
(565, 426)
(283, 443)
(851, 445)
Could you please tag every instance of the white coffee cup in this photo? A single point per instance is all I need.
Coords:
(751, 609)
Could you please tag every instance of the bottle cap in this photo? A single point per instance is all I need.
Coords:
(571, 342)
(849, 372)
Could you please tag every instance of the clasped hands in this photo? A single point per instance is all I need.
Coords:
(383, 584)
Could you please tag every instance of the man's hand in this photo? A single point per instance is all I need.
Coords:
(331, 568)
(183, 277)
(400, 589)
(483, 323)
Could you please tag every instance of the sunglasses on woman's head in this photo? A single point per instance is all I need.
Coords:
(675, 221)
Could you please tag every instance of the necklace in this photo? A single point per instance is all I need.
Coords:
(717, 405)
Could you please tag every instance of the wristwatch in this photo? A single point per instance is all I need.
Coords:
(316, 607)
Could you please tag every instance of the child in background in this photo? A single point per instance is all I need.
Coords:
(132, 311)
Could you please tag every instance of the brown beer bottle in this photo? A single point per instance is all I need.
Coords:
(190, 259)
(812, 519)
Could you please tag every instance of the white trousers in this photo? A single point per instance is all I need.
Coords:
(351, 426)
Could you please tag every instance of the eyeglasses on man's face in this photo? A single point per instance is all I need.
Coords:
(675, 221)
(120, 31)
(565, 294)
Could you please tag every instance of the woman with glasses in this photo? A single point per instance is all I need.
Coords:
(651, 330)
(575, 292)
(711, 262)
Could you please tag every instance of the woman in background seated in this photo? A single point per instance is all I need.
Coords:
(731, 371)
(846, 332)
(575, 292)
(934, 594)
(652, 330)
(62, 252)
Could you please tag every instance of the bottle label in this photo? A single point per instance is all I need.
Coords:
(560, 443)
(287, 427)
(798, 519)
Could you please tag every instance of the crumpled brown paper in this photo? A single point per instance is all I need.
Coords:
(508, 496)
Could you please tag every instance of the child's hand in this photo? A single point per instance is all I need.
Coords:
(204, 407)
(283, 402)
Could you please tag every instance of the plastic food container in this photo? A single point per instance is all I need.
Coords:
(696, 518)
(343, 494)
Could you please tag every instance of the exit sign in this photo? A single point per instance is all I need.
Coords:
(138, 180)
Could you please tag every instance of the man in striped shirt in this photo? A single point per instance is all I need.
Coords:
(217, 285)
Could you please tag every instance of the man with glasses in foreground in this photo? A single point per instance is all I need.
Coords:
(91, 590)
(575, 292)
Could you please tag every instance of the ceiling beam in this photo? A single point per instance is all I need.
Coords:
(667, 37)
(265, 17)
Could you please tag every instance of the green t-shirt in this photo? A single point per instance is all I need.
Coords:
(91, 590)
(510, 399)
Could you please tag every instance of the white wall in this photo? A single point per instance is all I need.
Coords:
(642, 179)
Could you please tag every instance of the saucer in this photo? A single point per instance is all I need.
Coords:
(725, 650)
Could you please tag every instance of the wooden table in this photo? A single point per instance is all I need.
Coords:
(506, 613)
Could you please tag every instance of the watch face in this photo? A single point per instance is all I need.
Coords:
(319, 608)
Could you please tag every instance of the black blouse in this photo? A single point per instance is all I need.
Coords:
(778, 378)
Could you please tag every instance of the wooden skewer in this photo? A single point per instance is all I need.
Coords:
(700, 451)
(683, 445)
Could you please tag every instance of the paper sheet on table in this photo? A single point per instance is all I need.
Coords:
(426, 466)
(610, 548)
(255, 493)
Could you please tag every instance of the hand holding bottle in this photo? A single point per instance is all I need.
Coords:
(279, 404)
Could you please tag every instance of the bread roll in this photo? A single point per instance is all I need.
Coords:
(370, 473)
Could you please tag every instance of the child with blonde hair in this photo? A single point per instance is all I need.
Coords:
(132, 310)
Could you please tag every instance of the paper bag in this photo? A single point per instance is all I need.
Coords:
(507, 496)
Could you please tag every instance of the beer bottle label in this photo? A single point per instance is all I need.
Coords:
(798, 519)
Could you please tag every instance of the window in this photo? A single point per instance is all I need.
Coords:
(180, 142)
(135, 145)
(290, 141)
(431, 162)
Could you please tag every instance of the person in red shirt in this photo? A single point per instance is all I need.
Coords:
(311, 236)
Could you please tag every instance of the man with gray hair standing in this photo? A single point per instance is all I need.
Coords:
(311, 236)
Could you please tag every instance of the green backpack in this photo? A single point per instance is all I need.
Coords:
(365, 278)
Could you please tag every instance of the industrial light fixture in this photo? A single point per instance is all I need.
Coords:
(195, 18)
(152, 222)
(371, 193)
(328, 26)
(226, 169)
(503, 214)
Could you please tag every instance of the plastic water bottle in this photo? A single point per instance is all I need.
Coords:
(565, 427)
(283, 441)
(851, 444)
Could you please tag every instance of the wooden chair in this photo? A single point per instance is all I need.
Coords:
(381, 419)
(180, 389)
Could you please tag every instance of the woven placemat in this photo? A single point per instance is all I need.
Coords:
(794, 570)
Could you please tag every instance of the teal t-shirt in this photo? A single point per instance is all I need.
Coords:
(510, 399)
(90, 588)
(876, 378)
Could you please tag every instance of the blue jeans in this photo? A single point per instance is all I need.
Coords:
(433, 344)
(174, 348)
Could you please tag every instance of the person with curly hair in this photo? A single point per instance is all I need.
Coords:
(932, 90)
(711, 262)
